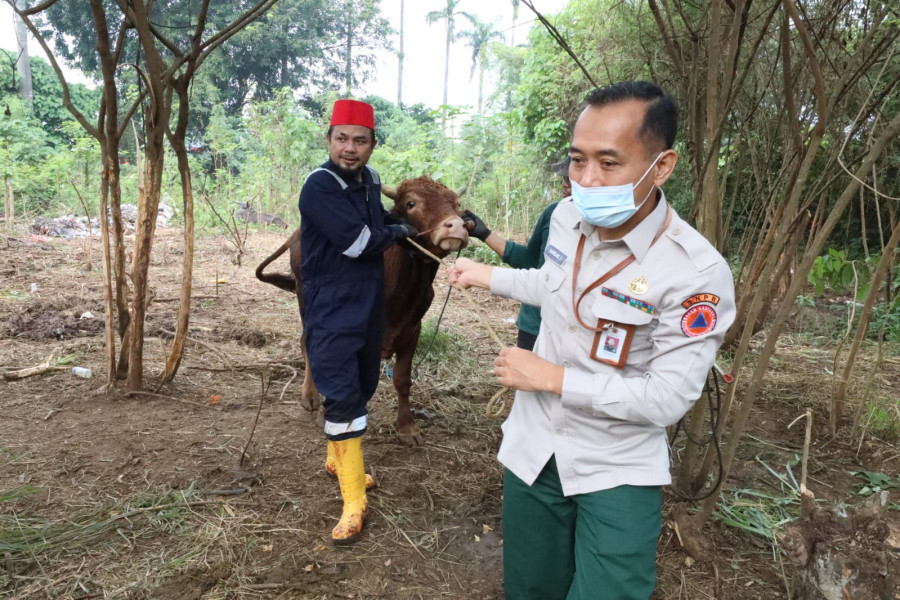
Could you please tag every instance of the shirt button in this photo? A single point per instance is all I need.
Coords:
(571, 329)
(546, 277)
(578, 290)
(566, 364)
(560, 430)
(676, 230)
(596, 255)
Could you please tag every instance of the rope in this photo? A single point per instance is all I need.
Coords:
(437, 328)
(714, 407)
(496, 405)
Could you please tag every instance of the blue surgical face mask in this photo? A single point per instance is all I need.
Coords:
(611, 205)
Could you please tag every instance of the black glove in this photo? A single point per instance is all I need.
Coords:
(475, 225)
(407, 230)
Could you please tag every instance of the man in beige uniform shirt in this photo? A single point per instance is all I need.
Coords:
(634, 305)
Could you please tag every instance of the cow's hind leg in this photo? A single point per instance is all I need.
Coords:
(407, 430)
(309, 395)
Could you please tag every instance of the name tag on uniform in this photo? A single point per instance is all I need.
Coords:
(554, 254)
(611, 343)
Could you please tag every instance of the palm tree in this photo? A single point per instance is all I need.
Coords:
(449, 14)
(478, 39)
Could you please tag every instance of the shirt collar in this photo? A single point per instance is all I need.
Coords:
(638, 239)
(641, 237)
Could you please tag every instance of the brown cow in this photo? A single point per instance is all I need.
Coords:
(433, 209)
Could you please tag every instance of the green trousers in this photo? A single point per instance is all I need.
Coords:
(597, 546)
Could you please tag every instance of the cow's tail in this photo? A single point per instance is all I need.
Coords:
(280, 280)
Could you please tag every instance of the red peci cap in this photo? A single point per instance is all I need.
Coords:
(353, 112)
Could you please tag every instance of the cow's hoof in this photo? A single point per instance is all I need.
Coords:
(310, 404)
(411, 436)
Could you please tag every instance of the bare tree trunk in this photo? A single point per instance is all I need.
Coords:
(109, 329)
(709, 208)
(348, 72)
(111, 193)
(447, 61)
(23, 64)
(10, 213)
(481, 88)
(400, 58)
(187, 270)
(156, 122)
(148, 209)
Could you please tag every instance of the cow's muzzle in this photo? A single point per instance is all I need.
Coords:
(451, 235)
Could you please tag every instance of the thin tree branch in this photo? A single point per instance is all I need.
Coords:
(560, 40)
(35, 9)
(249, 16)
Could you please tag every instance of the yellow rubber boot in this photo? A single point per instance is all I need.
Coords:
(351, 474)
(331, 470)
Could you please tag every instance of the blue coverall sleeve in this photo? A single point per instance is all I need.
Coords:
(331, 211)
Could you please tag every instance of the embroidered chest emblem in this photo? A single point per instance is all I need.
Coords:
(633, 302)
(639, 285)
(555, 254)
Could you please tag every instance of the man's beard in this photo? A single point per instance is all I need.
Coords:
(348, 173)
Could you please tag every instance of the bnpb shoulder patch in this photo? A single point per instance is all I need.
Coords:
(699, 320)
(698, 298)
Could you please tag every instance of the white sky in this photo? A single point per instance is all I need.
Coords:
(423, 47)
(423, 71)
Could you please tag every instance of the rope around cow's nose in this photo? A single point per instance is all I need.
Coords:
(496, 405)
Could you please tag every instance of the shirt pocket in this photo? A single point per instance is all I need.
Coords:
(552, 276)
(611, 309)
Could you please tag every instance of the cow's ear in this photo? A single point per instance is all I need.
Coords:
(390, 192)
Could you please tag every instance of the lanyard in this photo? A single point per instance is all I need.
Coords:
(602, 279)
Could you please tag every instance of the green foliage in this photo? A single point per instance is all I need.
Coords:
(47, 107)
(874, 483)
(839, 274)
(883, 420)
(24, 148)
(439, 342)
(805, 301)
(476, 250)
(43, 151)
(886, 319)
(835, 272)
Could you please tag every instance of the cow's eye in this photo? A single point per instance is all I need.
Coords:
(410, 205)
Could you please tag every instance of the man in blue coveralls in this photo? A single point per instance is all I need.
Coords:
(344, 231)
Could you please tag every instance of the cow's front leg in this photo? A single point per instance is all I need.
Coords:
(407, 430)
(309, 395)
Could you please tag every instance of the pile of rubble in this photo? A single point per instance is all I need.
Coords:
(71, 226)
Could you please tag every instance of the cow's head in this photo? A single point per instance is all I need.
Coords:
(433, 209)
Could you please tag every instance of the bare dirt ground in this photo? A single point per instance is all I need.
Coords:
(111, 496)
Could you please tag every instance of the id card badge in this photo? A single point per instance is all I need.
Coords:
(611, 343)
